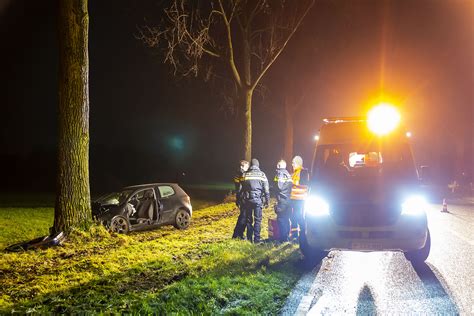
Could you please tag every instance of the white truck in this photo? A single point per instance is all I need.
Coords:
(364, 192)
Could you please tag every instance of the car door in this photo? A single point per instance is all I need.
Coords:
(141, 200)
(166, 194)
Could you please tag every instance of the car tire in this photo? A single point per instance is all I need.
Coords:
(119, 224)
(420, 255)
(182, 220)
(312, 256)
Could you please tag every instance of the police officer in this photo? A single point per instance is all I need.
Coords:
(255, 195)
(283, 186)
(299, 191)
(241, 220)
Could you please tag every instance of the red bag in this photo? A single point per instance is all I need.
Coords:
(273, 230)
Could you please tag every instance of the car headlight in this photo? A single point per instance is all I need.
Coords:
(315, 206)
(414, 205)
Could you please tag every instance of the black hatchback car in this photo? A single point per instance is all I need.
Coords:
(144, 206)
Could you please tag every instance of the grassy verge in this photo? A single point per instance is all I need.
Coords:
(20, 223)
(200, 270)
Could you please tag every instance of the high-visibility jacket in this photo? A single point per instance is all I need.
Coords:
(300, 178)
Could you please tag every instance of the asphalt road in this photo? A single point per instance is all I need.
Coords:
(386, 283)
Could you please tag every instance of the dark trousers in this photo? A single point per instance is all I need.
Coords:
(240, 225)
(283, 211)
(297, 218)
(254, 220)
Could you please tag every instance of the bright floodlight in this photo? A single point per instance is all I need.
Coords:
(383, 118)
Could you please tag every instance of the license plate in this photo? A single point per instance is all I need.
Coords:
(366, 245)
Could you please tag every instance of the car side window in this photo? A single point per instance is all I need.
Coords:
(166, 191)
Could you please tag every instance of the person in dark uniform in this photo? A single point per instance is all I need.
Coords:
(255, 195)
(241, 220)
(282, 189)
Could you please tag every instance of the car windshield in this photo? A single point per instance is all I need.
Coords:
(115, 198)
(359, 162)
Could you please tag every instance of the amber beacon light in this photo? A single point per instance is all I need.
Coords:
(383, 118)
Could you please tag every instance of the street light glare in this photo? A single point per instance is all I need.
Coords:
(383, 118)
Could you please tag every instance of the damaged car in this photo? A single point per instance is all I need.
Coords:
(143, 207)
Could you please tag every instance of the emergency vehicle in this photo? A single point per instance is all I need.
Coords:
(364, 189)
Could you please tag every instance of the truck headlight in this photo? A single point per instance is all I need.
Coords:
(316, 206)
(414, 205)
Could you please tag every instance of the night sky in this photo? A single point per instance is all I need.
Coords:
(147, 126)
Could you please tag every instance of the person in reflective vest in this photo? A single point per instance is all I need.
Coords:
(282, 187)
(242, 219)
(255, 195)
(299, 191)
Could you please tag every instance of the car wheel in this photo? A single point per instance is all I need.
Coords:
(311, 255)
(420, 255)
(182, 219)
(119, 224)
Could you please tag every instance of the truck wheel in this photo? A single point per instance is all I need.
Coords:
(312, 256)
(420, 255)
(119, 224)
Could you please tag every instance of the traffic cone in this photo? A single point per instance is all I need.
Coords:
(445, 207)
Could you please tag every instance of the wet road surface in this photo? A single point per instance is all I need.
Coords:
(381, 283)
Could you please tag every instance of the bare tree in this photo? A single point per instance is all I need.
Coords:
(247, 36)
(73, 206)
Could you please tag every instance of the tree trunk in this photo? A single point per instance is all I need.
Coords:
(248, 125)
(288, 146)
(73, 206)
(248, 92)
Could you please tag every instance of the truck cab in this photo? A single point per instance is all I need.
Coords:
(364, 192)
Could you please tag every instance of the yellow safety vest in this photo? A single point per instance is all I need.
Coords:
(298, 191)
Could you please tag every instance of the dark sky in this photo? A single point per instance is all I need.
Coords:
(147, 126)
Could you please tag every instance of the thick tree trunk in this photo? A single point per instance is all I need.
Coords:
(248, 125)
(73, 206)
(289, 129)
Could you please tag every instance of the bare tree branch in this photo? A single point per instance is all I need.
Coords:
(230, 46)
(262, 73)
(245, 36)
(183, 31)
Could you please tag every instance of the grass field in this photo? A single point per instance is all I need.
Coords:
(200, 270)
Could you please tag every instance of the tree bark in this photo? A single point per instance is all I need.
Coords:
(248, 93)
(289, 130)
(73, 206)
(248, 124)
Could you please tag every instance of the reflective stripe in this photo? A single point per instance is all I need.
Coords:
(282, 180)
(254, 178)
(298, 192)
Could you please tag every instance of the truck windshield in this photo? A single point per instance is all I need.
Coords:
(345, 162)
